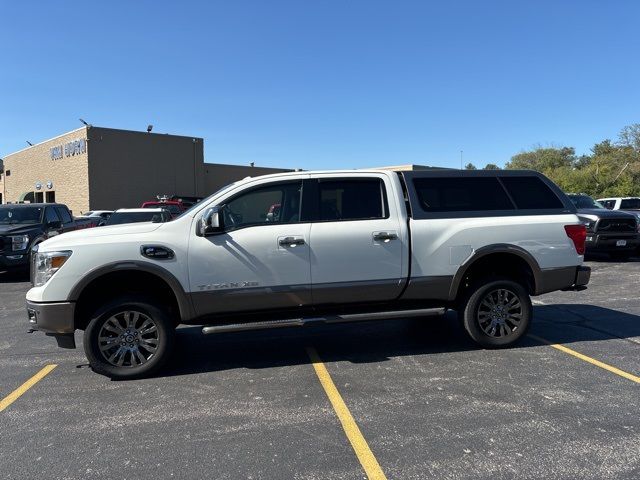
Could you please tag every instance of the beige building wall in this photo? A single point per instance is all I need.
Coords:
(217, 175)
(128, 168)
(117, 169)
(68, 173)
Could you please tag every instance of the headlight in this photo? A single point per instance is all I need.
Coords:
(19, 242)
(589, 224)
(47, 264)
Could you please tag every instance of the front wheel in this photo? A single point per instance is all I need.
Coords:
(128, 338)
(497, 313)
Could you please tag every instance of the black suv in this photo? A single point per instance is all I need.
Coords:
(608, 231)
(24, 225)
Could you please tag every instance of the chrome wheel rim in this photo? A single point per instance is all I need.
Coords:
(500, 313)
(128, 339)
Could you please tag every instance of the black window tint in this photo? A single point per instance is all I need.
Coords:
(64, 215)
(531, 193)
(51, 215)
(461, 194)
(278, 203)
(352, 199)
(630, 203)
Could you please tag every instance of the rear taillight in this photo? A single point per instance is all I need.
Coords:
(578, 235)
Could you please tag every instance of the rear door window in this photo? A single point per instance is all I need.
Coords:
(460, 194)
(352, 199)
(531, 193)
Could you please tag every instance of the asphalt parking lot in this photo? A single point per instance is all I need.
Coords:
(424, 400)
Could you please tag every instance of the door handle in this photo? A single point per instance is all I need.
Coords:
(385, 236)
(290, 242)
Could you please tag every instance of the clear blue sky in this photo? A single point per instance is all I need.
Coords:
(325, 84)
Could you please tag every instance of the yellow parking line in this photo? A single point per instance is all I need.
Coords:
(359, 444)
(590, 360)
(18, 392)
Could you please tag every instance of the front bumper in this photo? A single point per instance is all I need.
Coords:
(612, 242)
(54, 318)
(16, 260)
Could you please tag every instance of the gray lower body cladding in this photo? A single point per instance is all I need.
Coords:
(290, 296)
(54, 318)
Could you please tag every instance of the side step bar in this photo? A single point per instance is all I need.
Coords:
(301, 322)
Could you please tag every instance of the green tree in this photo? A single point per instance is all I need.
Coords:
(543, 159)
(492, 166)
(470, 166)
(612, 168)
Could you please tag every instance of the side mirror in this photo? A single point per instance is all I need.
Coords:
(54, 225)
(211, 222)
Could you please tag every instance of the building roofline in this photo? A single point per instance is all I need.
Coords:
(140, 132)
(84, 127)
(45, 141)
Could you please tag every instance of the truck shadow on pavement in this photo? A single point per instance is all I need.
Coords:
(378, 341)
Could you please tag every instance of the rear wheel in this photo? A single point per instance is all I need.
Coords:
(496, 313)
(130, 337)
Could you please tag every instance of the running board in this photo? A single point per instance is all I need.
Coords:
(300, 322)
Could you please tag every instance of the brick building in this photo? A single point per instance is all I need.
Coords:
(97, 168)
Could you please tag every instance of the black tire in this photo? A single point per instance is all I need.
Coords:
(147, 332)
(500, 327)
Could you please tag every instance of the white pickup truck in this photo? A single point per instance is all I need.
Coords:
(292, 248)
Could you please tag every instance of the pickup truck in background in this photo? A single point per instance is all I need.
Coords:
(344, 246)
(608, 231)
(24, 225)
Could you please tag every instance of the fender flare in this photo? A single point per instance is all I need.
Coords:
(183, 298)
(489, 250)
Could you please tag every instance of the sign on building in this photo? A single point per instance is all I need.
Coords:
(69, 149)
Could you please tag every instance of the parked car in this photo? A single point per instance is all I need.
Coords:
(24, 225)
(625, 204)
(613, 232)
(345, 246)
(97, 214)
(136, 215)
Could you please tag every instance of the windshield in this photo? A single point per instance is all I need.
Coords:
(25, 215)
(584, 201)
(134, 217)
(630, 204)
(201, 202)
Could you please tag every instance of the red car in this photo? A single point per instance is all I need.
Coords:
(175, 208)
(175, 205)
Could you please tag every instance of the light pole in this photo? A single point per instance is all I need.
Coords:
(461, 168)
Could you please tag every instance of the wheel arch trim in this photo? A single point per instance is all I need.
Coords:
(183, 299)
(493, 249)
